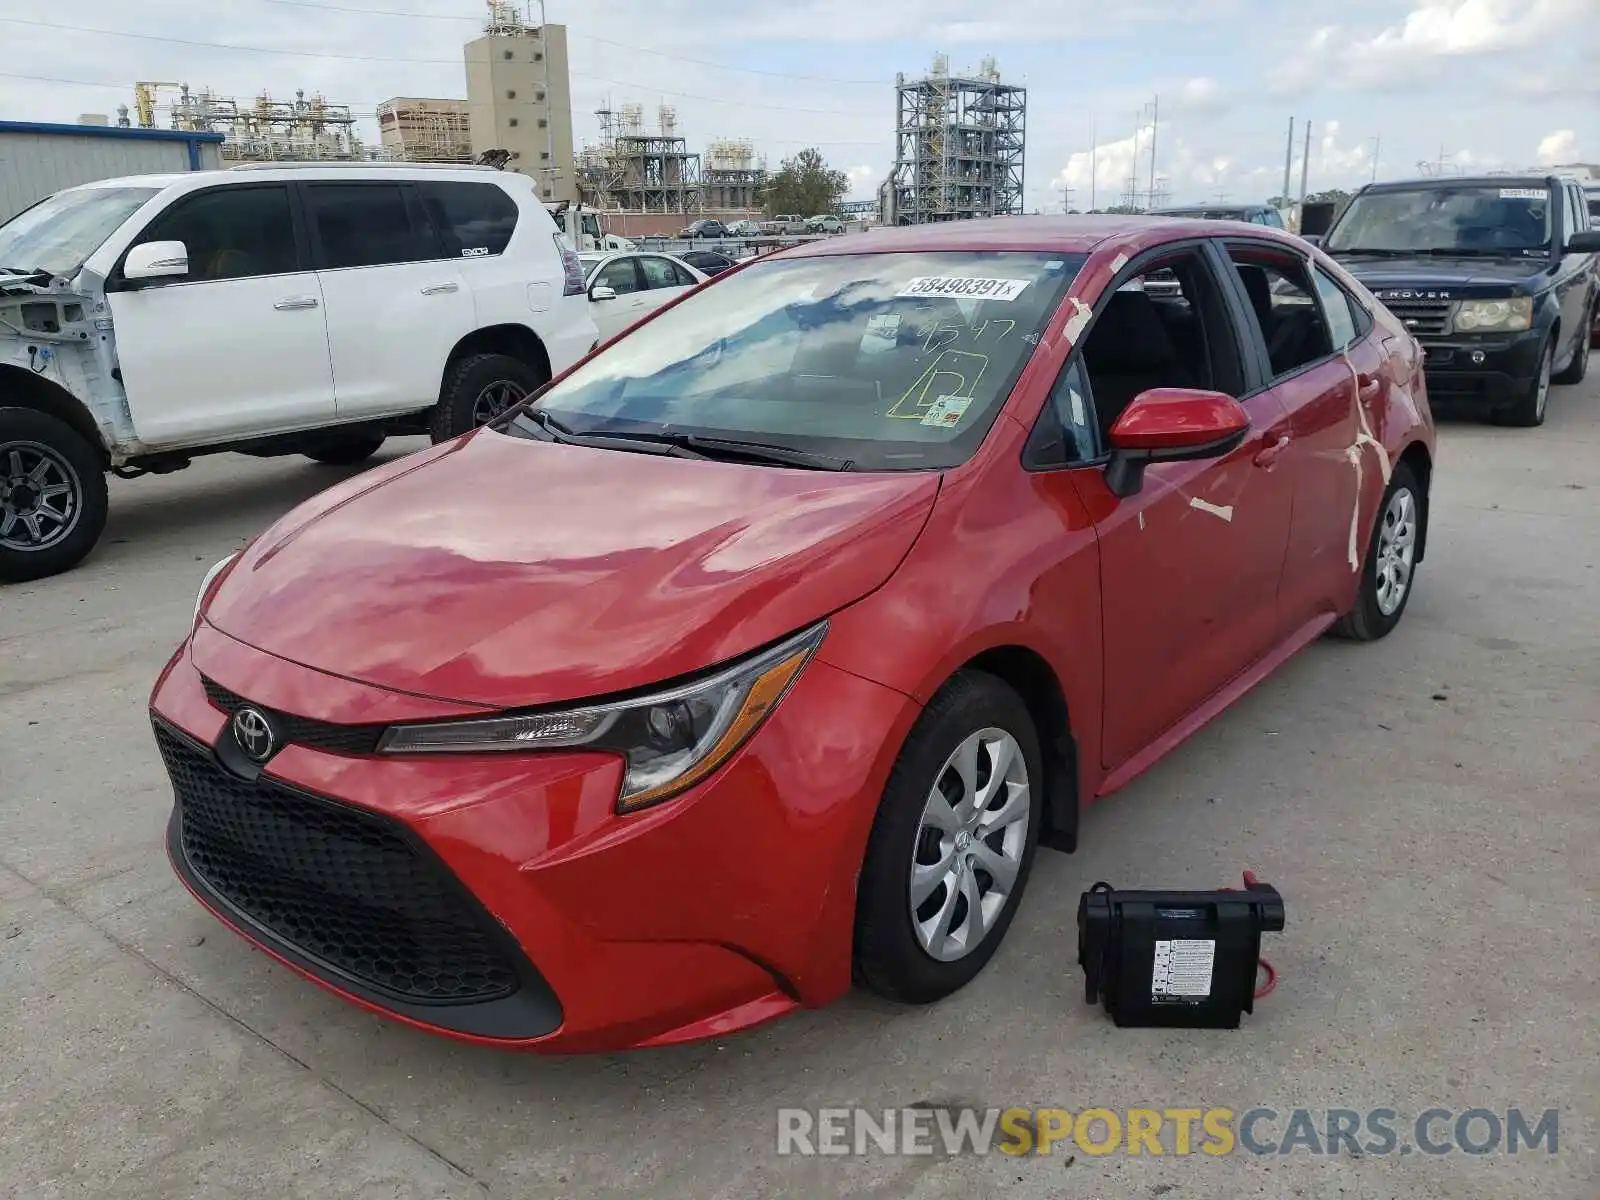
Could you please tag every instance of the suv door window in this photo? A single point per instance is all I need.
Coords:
(618, 275)
(367, 225)
(1284, 303)
(473, 219)
(231, 232)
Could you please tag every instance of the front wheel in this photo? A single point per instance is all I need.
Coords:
(478, 389)
(52, 496)
(1528, 411)
(1390, 569)
(952, 843)
(1579, 366)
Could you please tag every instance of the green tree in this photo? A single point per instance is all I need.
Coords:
(806, 185)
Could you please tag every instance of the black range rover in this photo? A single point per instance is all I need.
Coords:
(1497, 277)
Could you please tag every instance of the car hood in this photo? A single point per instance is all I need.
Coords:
(504, 572)
(1457, 277)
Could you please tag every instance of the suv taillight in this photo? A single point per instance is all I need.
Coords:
(572, 265)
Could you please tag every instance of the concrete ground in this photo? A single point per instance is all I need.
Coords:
(1429, 806)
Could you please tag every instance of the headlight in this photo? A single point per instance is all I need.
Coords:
(669, 741)
(205, 587)
(1485, 316)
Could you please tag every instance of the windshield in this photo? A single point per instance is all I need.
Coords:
(57, 234)
(889, 361)
(1475, 219)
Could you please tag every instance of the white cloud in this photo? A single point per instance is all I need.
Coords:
(1560, 146)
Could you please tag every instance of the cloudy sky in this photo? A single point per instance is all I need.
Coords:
(1478, 83)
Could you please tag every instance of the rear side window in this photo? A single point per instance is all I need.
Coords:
(619, 276)
(474, 219)
(367, 225)
(231, 233)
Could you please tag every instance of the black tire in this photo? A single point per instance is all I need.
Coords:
(346, 451)
(29, 438)
(1529, 409)
(1579, 366)
(462, 398)
(1367, 621)
(889, 958)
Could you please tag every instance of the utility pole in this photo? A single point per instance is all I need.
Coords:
(1288, 162)
(1155, 120)
(1377, 144)
(1094, 154)
(1066, 198)
(1305, 166)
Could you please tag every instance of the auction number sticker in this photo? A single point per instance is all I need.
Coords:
(964, 287)
(1523, 194)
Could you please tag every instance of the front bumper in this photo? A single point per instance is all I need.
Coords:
(1509, 364)
(716, 910)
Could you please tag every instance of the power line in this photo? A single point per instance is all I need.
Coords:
(621, 83)
(588, 37)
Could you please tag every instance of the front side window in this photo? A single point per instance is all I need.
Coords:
(474, 219)
(889, 361)
(231, 233)
(1284, 303)
(366, 225)
(1499, 219)
(58, 234)
(591, 226)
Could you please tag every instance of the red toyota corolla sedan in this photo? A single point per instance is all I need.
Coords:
(761, 651)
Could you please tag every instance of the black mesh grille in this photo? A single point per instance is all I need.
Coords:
(344, 887)
(302, 731)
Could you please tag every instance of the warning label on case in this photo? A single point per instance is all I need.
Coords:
(963, 287)
(1182, 969)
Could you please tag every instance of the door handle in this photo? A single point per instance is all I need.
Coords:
(1370, 386)
(292, 303)
(1268, 455)
(440, 289)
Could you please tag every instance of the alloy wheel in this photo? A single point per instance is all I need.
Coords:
(970, 844)
(41, 497)
(1397, 550)
(1542, 396)
(495, 399)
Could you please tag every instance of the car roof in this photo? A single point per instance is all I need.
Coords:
(1069, 234)
(277, 172)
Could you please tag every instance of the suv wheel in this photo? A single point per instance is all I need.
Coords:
(478, 389)
(952, 843)
(1579, 366)
(52, 496)
(346, 451)
(1528, 411)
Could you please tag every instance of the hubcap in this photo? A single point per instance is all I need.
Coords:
(40, 497)
(494, 400)
(1397, 550)
(969, 844)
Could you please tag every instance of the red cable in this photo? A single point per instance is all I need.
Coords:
(1272, 974)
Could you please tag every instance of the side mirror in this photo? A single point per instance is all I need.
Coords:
(1584, 243)
(601, 292)
(1171, 425)
(156, 260)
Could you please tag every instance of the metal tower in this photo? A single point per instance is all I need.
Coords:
(958, 146)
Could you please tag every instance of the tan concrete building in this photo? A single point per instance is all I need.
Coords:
(519, 98)
(423, 129)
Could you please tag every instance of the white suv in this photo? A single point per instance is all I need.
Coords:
(269, 309)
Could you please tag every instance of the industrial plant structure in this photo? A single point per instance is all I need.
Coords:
(958, 146)
(633, 170)
(419, 129)
(519, 98)
(259, 129)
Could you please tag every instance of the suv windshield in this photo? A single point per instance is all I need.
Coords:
(1499, 219)
(886, 361)
(58, 233)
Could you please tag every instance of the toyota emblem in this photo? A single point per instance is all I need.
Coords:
(254, 734)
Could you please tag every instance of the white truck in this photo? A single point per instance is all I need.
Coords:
(269, 309)
(580, 226)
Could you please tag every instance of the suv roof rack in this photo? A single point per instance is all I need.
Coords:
(356, 164)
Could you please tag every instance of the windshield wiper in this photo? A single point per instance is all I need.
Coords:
(567, 436)
(762, 452)
(1369, 250)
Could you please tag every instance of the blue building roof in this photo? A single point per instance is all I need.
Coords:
(116, 131)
